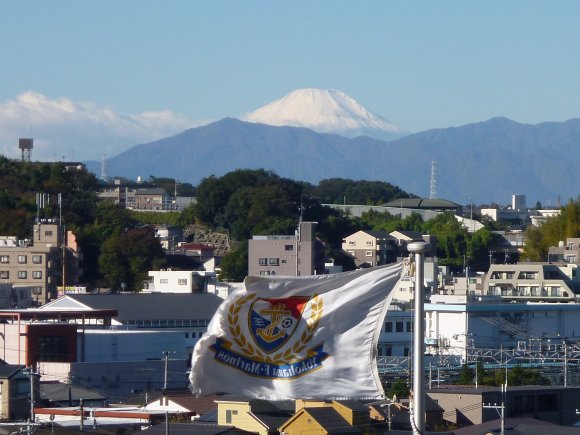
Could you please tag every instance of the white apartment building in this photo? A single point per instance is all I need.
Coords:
(454, 323)
(533, 282)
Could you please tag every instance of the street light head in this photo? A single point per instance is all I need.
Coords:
(419, 247)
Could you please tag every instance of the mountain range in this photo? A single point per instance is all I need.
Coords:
(481, 162)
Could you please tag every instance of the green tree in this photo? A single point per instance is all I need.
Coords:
(126, 258)
(340, 190)
(112, 264)
(399, 389)
(553, 231)
(466, 375)
(234, 265)
(451, 239)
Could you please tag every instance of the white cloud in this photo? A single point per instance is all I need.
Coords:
(73, 130)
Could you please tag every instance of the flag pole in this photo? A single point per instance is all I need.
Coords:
(419, 248)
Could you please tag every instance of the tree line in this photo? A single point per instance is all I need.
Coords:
(119, 245)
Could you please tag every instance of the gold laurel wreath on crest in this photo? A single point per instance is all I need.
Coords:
(291, 354)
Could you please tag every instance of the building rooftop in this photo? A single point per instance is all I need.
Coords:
(423, 203)
(144, 306)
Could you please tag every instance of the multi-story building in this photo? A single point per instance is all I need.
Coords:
(151, 199)
(454, 324)
(370, 248)
(565, 252)
(533, 282)
(118, 193)
(294, 255)
(38, 262)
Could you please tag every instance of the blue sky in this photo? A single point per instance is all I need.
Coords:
(419, 64)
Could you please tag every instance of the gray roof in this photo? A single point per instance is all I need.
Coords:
(153, 306)
(420, 203)
(8, 370)
(380, 234)
(414, 235)
(55, 391)
(194, 428)
(331, 420)
(151, 191)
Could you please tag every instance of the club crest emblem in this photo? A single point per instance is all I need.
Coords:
(273, 321)
(271, 337)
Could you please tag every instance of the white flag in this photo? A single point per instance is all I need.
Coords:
(306, 337)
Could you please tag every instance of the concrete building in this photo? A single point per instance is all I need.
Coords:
(150, 199)
(518, 202)
(565, 252)
(533, 282)
(294, 255)
(178, 281)
(118, 193)
(455, 323)
(539, 217)
(464, 406)
(515, 217)
(370, 248)
(37, 262)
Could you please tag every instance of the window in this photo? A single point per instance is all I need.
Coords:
(289, 247)
(37, 259)
(263, 261)
(187, 335)
(389, 350)
(399, 326)
(48, 233)
(406, 351)
(369, 253)
(388, 326)
(22, 274)
(182, 281)
(274, 262)
(37, 274)
(4, 274)
(22, 259)
(4, 259)
(409, 327)
(351, 243)
(163, 281)
(369, 243)
(229, 414)
(52, 348)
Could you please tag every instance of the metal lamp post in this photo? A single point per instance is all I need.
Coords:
(419, 249)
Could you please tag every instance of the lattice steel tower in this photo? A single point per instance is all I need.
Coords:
(433, 191)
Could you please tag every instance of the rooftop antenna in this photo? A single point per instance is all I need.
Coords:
(433, 191)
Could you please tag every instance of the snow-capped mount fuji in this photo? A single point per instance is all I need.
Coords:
(325, 111)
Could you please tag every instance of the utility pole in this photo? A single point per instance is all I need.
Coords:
(166, 369)
(82, 413)
(32, 374)
(166, 357)
(565, 364)
(500, 408)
